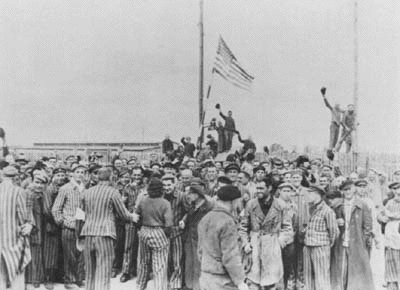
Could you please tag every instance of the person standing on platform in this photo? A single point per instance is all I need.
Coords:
(101, 205)
(336, 114)
(64, 210)
(16, 226)
(230, 128)
(218, 248)
(320, 235)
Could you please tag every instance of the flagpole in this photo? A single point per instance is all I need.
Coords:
(201, 65)
(355, 93)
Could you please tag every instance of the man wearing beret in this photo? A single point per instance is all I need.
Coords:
(218, 250)
(52, 237)
(178, 202)
(64, 211)
(199, 206)
(155, 217)
(265, 230)
(16, 226)
(320, 235)
(350, 267)
(34, 274)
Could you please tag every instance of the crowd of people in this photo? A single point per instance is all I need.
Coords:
(199, 224)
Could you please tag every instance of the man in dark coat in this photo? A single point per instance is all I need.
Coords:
(167, 145)
(350, 265)
(200, 205)
(189, 147)
(230, 128)
(52, 238)
(218, 249)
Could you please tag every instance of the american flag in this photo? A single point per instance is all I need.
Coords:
(227, 66)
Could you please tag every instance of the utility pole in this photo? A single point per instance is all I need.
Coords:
(355, 94)
(201, 65)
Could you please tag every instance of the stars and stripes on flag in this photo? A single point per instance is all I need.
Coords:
(227, 66)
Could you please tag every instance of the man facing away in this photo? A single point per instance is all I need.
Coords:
(101, 205)
(218, 249)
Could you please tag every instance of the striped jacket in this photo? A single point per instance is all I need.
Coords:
(322, 229)
(13, 214)
(65, 205)
(101, 204)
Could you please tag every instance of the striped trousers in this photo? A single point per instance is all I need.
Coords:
(17, 284)
(153, 252)
(119, 247)
(131, 250)
(175, 260)
(73, 259)
(317, 267)
(52, 244)
(99, 256)
(34, 272)
(392, 268)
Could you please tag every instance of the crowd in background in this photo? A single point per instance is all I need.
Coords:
(299, 224)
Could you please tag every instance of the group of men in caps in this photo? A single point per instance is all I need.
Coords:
(268, 224)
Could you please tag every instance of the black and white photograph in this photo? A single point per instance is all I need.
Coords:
(200, 145)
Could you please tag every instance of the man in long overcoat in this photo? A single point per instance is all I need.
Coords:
(350, 265)
(264, 228)
(200, 206)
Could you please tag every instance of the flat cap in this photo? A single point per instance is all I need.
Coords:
(10, 171)
(345, 184)
(317, 189)
(197, 189)
(394, 185)
(228, 193)
(286, 184)
(258, 168)
(232, 166)
(197, 181)
(59, 170)
(224, 180)
(361, 182)
(77, 166)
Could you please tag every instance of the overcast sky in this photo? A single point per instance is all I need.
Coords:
(117, 70)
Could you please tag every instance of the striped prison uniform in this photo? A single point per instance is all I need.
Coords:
(34, 273)
(179, 207)
(321, 233)
(15, 250)
(52, 236)
(299, 226)
(131, 238)
(392, 250)
(102, 204)
(156, 218)
(64, 210)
